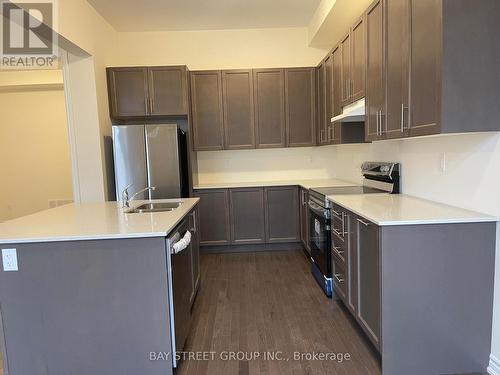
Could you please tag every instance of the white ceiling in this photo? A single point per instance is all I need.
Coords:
(164, 15)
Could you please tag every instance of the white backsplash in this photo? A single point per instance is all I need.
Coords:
(265, 164)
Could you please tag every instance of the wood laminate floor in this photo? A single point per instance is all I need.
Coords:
(269, 302)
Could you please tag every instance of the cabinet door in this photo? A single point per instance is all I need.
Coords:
(328, 98)
(345, 51)
(206, 107)
(247, 216)
(375, 93)
(337, 80)
(128, 92)
(397, 23)
(195, 252)
(300, 104)
(321, 90)
(352, 265)
(269, 105)
(426, 40)
(282, 214)
(304, 218)
(368, 252)
(214, 217)
(358, 62)
(237, 94)
(168, 91)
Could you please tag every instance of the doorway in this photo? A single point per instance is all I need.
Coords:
(35, 162)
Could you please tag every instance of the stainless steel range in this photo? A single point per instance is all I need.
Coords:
(379, 178)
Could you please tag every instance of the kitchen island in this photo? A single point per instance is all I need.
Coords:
(89, 291)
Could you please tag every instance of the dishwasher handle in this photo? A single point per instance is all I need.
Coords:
(181, 244)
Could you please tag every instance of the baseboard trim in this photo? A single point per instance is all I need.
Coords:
(252, 248)
(494, 367)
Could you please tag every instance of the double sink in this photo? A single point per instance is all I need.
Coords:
(151, 207)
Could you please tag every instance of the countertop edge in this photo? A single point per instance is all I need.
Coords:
(98, 237)
(485, 219)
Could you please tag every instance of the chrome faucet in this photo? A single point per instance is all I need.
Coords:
(125, 197)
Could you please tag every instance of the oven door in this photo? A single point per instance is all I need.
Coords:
(319, 237)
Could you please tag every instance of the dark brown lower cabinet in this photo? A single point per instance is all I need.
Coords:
(282, 214)
(368, 277)
(214, 217)
(304, 218)
(247, 216)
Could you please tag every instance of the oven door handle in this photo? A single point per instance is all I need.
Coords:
(316, 209)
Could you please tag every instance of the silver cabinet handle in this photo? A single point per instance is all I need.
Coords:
(363, 222)
(339, 252)
(381, 124)
(337, 232)
(377, 124)
(339, 277)
(402, 118)
(194, 222)
(403, 108)
(338, 214)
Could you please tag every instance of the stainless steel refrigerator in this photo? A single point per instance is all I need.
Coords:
(151, 155)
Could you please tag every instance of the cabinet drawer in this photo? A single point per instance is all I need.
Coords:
(339, 279)
(339, 223)
(339, 252)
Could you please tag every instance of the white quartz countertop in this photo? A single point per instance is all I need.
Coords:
(93, 221)
(307, 184)
(399, 209)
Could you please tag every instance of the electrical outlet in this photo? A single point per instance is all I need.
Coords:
(9, 259)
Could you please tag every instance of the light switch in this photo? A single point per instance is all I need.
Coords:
(9, 259)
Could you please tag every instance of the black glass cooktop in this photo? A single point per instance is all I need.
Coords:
(341, 190)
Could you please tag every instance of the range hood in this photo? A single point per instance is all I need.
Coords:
(354, 112)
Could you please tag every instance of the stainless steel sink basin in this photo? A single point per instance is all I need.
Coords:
(155, 207)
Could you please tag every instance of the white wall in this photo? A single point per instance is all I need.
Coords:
(218, 49)
(34, 154)
(265, 164)
(471, 179)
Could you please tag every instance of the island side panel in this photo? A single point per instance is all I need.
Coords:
(437, 298)
(86, 307)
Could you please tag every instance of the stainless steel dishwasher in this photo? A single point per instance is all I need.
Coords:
(180, 285)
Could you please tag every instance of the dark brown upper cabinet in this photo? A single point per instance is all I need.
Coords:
(375, 92)
(321, 103)
(397, 62)
(328, 114)
(425, 63)
(358, 60)
(433, 86)
(337, 80)
(300, 104)
(329, 91)
(345, 70)
(207, 113)
(147, 91)
(247, 216)
(168, 91)
(353, 63)
(269, 107)
(128, 92)
(237, 96)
